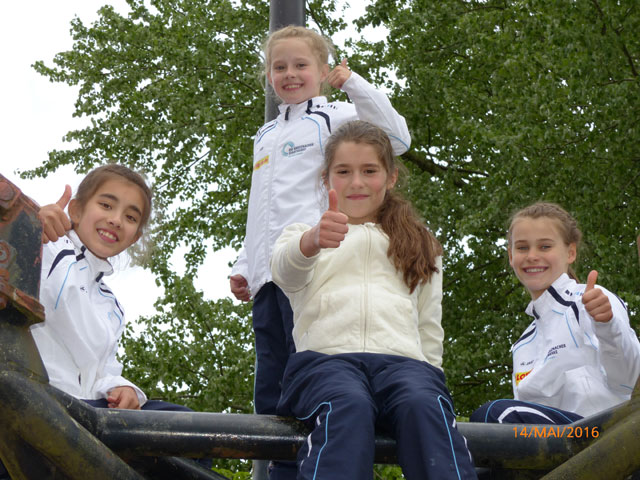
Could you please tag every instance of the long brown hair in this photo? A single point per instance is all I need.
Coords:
(413, 249)
(567, 225)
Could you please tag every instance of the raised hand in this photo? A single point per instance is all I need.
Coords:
(339, 75)
(55, 223)
(595, 301)
(240, 287)
(329, 232)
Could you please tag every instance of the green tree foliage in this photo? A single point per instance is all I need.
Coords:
(173, 88)
(508, 102)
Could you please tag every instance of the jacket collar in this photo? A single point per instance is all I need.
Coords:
(560, 291)
(297, 110)
(98, 266)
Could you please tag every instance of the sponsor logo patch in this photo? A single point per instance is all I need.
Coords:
(261, 162)
(521, 375)
(289, 149)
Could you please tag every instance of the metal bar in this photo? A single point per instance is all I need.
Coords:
(281, 14)
(38, 439)
(222, 435)
(620, 440)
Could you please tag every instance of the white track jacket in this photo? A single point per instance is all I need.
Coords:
(287, 160)
(565, 359)
(78, 340)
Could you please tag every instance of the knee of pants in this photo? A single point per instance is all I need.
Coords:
(356, 404)
(480, 414)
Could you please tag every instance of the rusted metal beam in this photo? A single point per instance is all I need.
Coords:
(620, 440)
(222, 435)
(47, 434)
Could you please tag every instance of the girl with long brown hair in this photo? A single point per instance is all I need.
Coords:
(287, 159)
(365, 285)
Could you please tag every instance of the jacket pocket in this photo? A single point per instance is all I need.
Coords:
(393, 324)
(337, 324)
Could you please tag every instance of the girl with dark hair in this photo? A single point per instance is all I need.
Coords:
(365, 285)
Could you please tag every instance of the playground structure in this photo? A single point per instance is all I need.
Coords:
(47, 434)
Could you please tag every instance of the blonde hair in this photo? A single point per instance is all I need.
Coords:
(567, 225)
(321, 47)
(412, 247)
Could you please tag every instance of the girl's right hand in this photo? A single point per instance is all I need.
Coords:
(329, 232)
(240, 287)
(55, 223)
(595, 301)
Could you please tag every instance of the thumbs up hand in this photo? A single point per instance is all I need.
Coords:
(339, 75)
(595, 301)
(329, 232)
(55, 223)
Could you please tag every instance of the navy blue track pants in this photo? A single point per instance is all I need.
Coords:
(273, 330)
(273, 327)
(517, 411)
(345, 397)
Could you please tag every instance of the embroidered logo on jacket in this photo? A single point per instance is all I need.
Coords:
(291, 150)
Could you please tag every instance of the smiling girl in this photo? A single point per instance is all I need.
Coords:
(287, 158)
(365, 285)
(83, 319)
(579, 355)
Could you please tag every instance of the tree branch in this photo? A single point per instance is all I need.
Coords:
(632, 66)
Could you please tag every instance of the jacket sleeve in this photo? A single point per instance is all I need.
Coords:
(290, 269)
(374, 106)
(430, 317)
(110, 377)
(619, 347)
(241, 267)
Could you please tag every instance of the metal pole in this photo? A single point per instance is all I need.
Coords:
(281, 14)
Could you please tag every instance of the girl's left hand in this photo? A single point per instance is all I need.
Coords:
(595, 301)
(339, 75)
(123, 397)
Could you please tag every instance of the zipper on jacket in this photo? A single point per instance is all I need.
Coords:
(267, 217)
(367, 293)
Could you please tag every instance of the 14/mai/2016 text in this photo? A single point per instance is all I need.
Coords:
(559, 431)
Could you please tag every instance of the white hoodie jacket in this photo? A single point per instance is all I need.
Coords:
(78, 340)
(288, 154)
(567, 360)
(352, 299)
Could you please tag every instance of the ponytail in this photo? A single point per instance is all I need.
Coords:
(412, 247)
